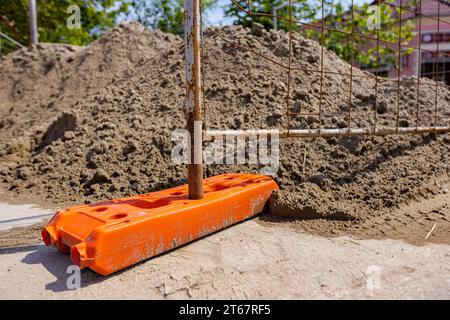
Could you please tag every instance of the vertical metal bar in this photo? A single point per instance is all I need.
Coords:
(289, 84)
(193, 103)
(399, 69)
(203, 59)
(322, 54)
(274, 19)
(33, 23)
(375, 116)
(352, 46)
(437, 65)
(419, 65)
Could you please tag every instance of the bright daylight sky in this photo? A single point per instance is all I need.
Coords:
(216, 16)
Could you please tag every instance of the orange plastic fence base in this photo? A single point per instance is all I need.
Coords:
(110, 236)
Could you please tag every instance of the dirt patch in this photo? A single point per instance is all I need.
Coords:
(311, 203)
(21, 236)
(418, 222)
(61, 128)
(126, 92)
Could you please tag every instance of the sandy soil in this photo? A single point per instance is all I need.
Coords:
(410, 222)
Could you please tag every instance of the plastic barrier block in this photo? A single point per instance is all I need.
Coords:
(109, 236)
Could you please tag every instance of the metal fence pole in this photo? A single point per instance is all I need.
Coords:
(33, 22)
(275, 14)
(193, 103)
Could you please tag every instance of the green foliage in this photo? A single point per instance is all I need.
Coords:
(96, 16)
(301, 10)
(166, 15)
(337, 16)
(360, 47)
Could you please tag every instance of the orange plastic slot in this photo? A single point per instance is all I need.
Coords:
(109, 236)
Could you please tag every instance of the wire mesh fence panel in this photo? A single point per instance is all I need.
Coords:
(337, 69)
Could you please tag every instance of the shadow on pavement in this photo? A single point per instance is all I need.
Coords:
(57, 264)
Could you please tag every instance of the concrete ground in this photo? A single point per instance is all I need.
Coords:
(20, 215)
(248, 261)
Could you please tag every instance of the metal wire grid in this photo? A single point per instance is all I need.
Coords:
(404, 11)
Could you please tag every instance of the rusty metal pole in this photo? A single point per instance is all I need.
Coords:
(33, 23)
(193, 103)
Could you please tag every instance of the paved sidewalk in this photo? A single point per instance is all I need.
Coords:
(21, 215)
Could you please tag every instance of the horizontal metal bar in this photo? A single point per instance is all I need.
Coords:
(331, 114)
(313, 133)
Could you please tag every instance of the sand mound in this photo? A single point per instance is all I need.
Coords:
(84, 124)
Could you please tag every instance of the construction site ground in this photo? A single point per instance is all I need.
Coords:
(355, 217)
(256, 259)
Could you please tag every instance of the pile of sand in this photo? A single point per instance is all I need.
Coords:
(84, 124)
